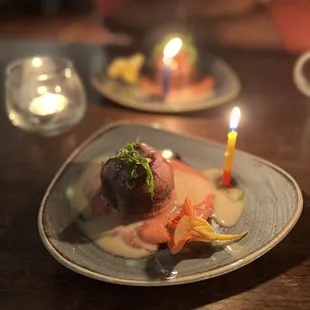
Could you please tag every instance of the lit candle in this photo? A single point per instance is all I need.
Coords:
(48, 104)
(171, 50)
(231, 144)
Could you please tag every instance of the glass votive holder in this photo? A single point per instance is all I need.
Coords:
(44, 95)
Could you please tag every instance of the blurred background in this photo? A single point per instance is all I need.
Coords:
(241, 24)
(59, 20)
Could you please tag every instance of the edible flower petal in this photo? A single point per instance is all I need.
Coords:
(126, 69)
(183, 229)
(187, 227)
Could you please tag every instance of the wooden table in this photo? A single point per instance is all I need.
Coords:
(275, 125)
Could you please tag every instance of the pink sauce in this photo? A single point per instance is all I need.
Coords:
(153, 230)
(129, 237)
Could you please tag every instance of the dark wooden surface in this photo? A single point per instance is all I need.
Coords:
(275, 125)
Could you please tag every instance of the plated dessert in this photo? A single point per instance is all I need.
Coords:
(144, 200)
(79, 215)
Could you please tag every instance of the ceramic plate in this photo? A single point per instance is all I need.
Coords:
(227, 88)
(273, 204)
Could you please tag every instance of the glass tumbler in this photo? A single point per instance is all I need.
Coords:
(44, 95)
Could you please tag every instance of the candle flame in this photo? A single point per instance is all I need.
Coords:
(48, 104)
(234, 118)
(173, 47)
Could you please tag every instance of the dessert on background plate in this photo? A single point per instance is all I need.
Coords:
(185, 78)
(184, 67)
(188, 80)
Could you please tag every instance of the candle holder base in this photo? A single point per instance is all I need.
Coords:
(44, 126)
(228, 180)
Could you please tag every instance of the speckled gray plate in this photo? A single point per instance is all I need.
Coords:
(227, 88)
(273, 204)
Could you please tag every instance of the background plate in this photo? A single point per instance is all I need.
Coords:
(273, 204)
(227, 88)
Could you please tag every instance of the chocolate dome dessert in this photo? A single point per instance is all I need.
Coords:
(138, 182)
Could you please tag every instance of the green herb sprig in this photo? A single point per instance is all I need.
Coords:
(240, 197)
(130, 155)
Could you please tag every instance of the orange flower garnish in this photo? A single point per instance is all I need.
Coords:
(187, 227)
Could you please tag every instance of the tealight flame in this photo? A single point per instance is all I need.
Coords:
(48, 104)
(234, 118)
(173, 47)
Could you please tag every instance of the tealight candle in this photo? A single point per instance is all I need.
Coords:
(170, 51)
(48, 104)
(231, 144)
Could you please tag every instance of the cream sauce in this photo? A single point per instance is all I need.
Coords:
(107, 229)
(228, 202)
(110, 232)
(117, 239)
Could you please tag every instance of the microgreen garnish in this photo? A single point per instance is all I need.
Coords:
(131, 156)
(240, 197)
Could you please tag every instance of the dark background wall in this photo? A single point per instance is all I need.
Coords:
(16, 8)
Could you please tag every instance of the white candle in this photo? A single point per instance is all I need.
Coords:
(48, 104)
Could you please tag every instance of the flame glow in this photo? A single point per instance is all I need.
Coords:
(234, 118)
(37, 62)
(173, 47)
